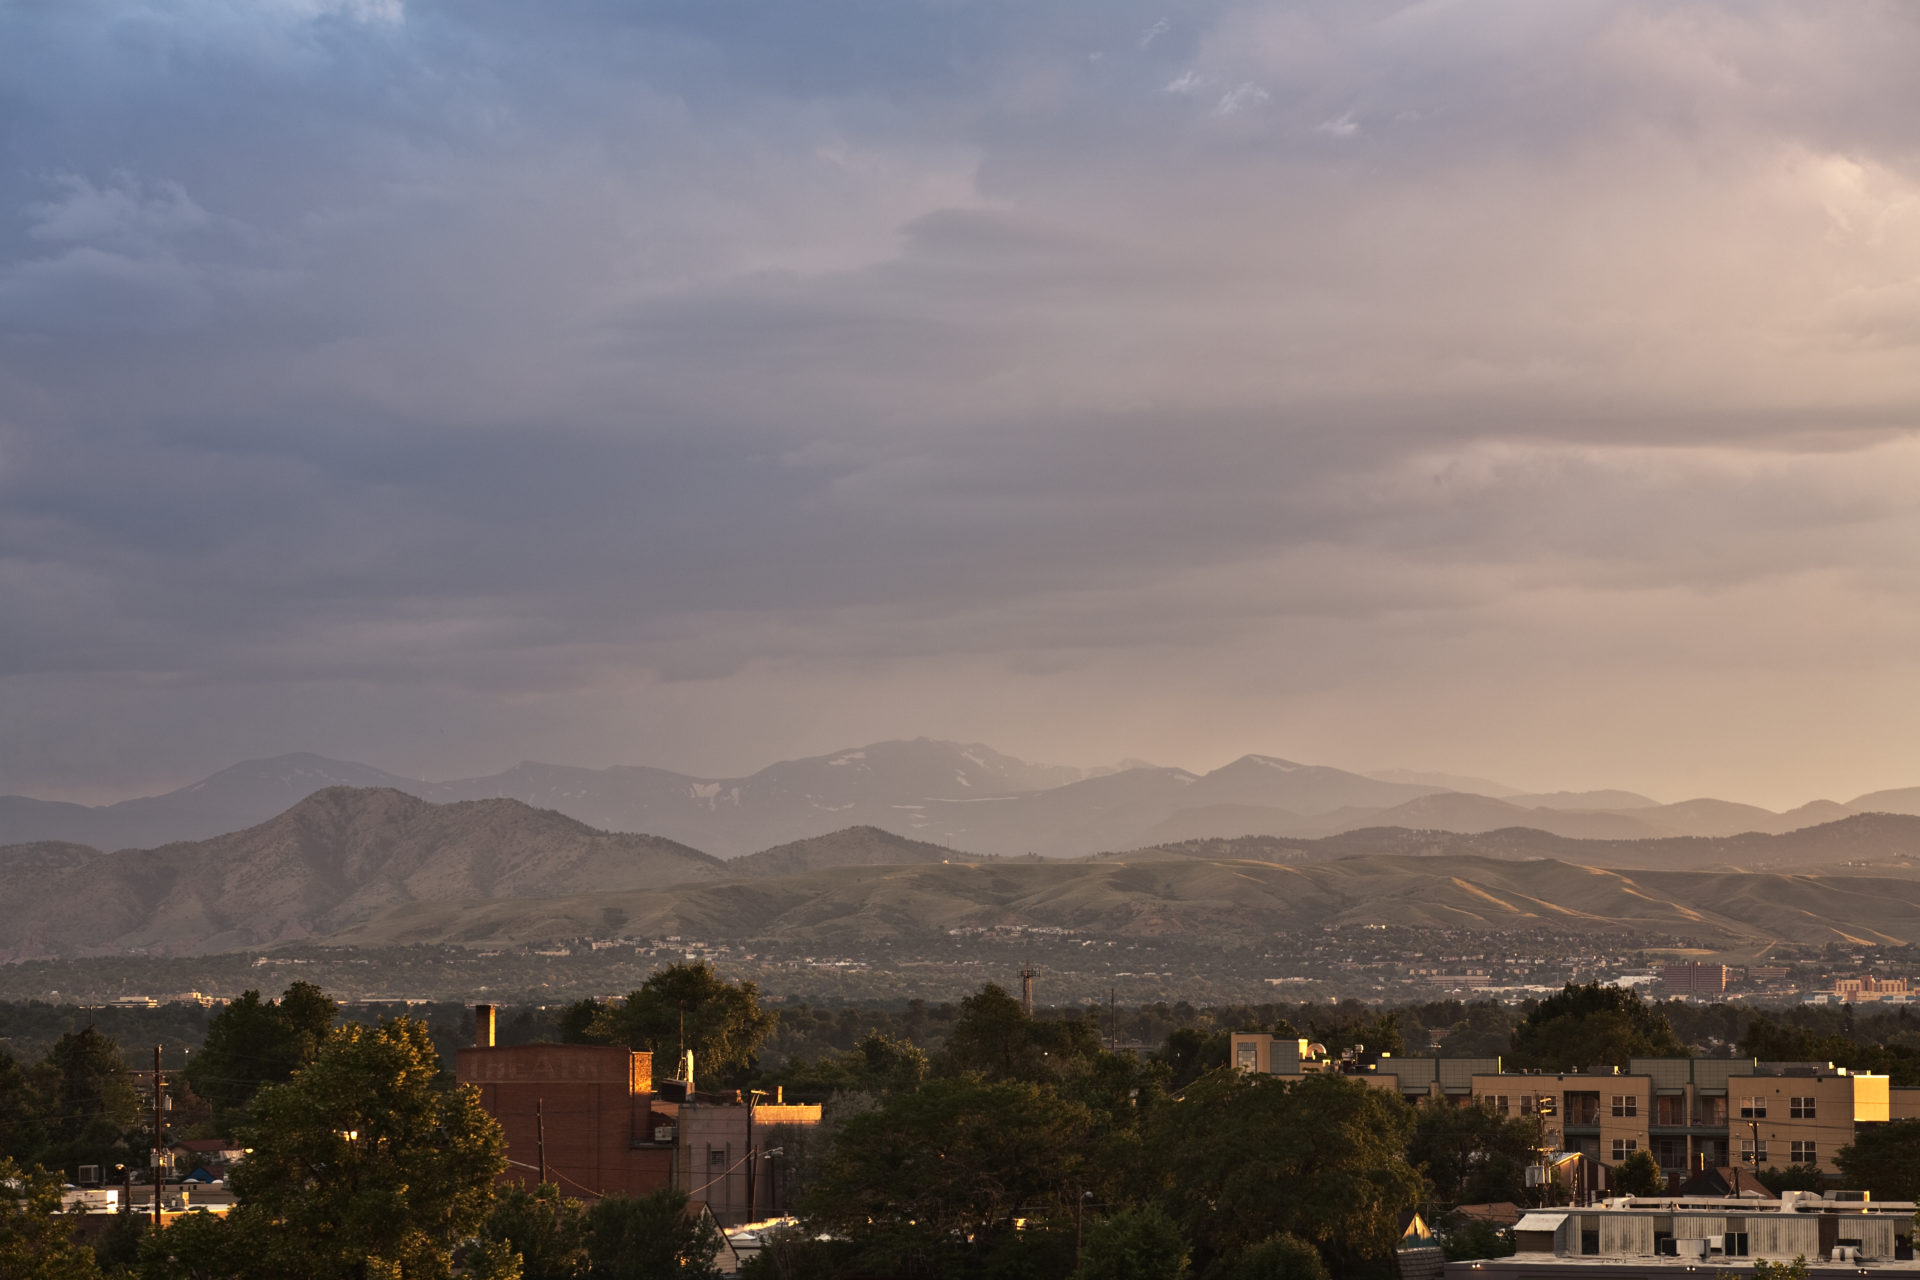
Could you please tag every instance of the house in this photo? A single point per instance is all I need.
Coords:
(204, 1153)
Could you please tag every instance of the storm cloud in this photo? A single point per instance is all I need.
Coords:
(1517, 389)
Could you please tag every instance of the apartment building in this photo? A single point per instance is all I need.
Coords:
(1690, 1113)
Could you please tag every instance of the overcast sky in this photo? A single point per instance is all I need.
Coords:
(1518, 389)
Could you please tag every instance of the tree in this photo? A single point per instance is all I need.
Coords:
(362, 1165)
(1278, 1257)
(995, 1037)
(1795, 1270)
(1638, 1175)
(724, 1023)
(652, 1237)
(251, 1043)
(1795, 1177)
(92, 1100)
(877, 1063)
(544, 1229)
(1134, 1244)
(23, 1129)
(935, 1176)
(36, 1240)
(1883, 1159)
(1472, 1154)
(1476, 1238)
(1592, 1025)
(199, 1246)
(1319, 1157)
(1191, 1052)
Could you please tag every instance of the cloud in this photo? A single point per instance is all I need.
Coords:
(476, 380)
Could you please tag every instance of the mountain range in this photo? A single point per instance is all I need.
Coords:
(957, 795)
(367, 865)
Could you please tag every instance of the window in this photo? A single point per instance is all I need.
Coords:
(1752, 1152)
(716, 1157)
(1623, 1145)
(1735, 1244)
(1625, 1106)
(1803, 1153)
(1548, 1104)
(1753, 1109)
(1800, 1108)
(1246, 1056)
(1500, 1104)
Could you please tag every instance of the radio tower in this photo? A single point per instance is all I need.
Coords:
(1027, 974)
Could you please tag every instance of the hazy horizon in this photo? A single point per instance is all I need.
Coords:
(1527, 392)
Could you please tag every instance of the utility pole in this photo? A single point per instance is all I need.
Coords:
(1027, 975)
(159, 1156)
(753, 1098)
(540, 1137)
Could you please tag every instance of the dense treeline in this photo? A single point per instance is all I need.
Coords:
(965, 1139)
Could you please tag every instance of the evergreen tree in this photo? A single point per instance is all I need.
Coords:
(94, 1107)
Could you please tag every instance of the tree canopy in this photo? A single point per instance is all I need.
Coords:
(1883, 1159)
(92, 1104)
(651, 1237)
(36, 1242)
(724, 1023)
(1320, 1157)
(364, 1164)
(947, 1169)
(1592, 1025)
(251, 1043)
(1470, 1155)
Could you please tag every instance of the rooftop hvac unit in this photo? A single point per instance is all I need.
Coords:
(1846, 1253)
(665, 1132)
(1699, 1250)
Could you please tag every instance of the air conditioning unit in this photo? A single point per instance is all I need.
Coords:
(1846, 1253)
(1698, 1250)
(665, 1132)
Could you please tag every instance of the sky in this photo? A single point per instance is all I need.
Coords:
(1515, 389)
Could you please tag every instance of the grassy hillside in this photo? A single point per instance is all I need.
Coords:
(1225, 899)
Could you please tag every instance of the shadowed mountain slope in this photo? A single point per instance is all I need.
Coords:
(853, 847)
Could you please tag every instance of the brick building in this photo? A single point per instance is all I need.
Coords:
(596, 1121)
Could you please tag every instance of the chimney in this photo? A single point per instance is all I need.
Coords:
(483, 1026)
